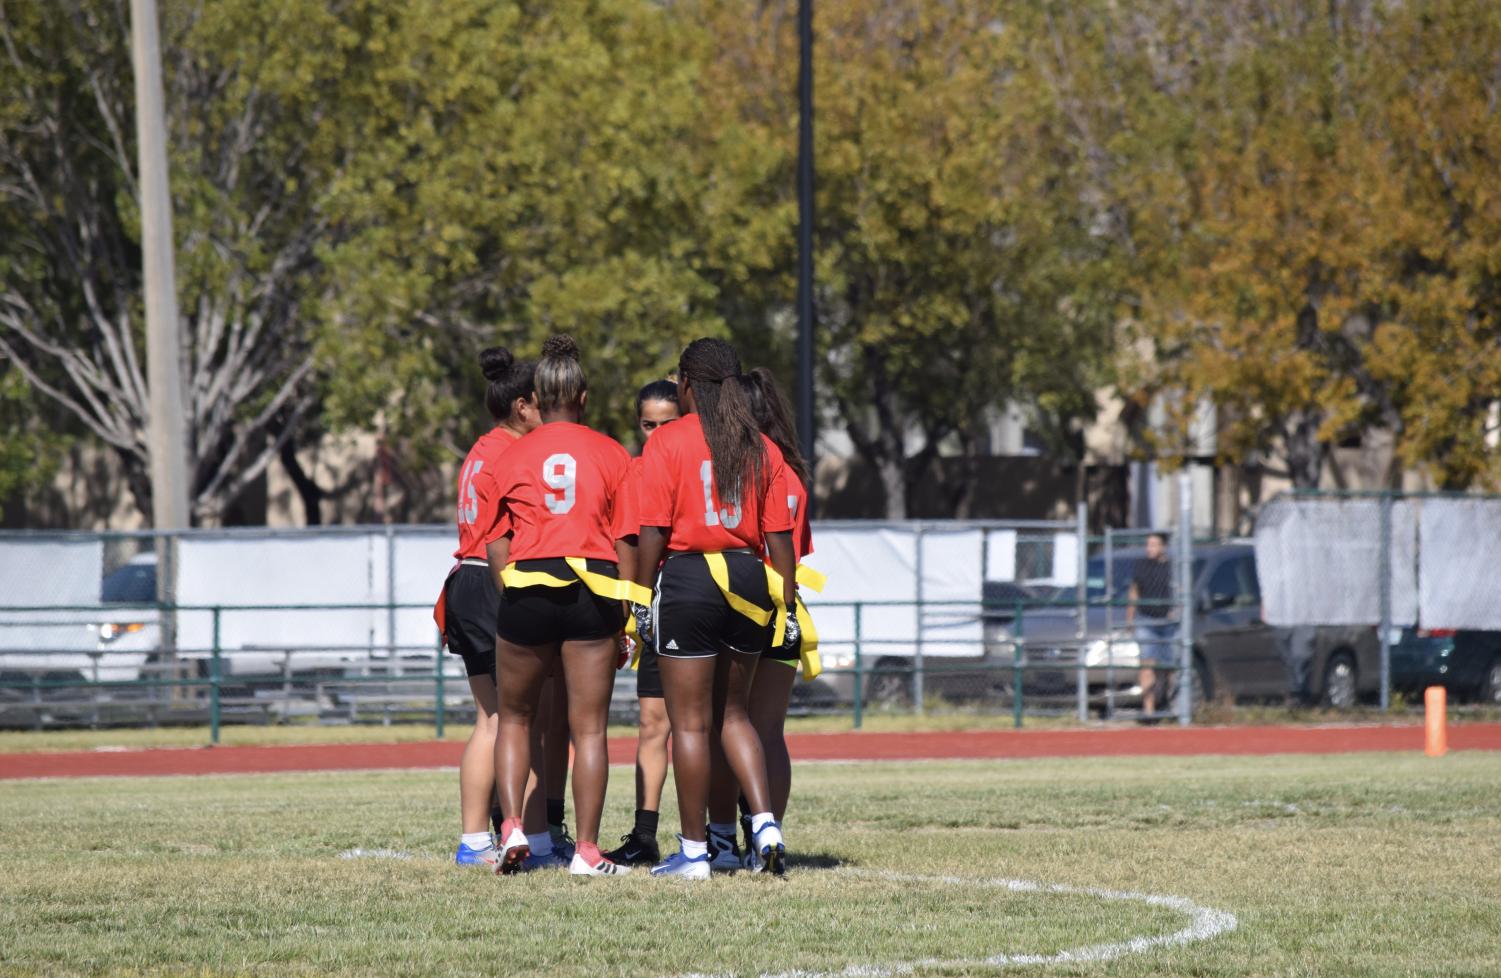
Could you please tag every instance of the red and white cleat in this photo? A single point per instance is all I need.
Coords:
(589, 861)
(514, 849)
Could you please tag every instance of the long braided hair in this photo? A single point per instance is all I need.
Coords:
(712, 368)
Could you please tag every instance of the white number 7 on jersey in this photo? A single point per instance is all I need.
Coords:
(559, 473)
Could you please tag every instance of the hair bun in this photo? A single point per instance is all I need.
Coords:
(495, 362)
(561, 345)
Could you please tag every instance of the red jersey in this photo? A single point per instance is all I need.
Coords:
(677, 491)
(563, 493)
(797, 505)
(479, 504)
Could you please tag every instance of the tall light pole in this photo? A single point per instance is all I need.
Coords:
(166, 428)
(806, 431)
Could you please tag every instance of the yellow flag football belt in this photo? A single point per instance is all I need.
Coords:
(806, 577)
(616, 589)
(610, 588)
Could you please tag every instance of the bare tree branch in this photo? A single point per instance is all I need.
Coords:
(256, 426)
(40, 383)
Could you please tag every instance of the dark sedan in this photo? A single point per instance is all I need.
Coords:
(1466, 663)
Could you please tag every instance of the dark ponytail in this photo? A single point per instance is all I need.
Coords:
(774, 418)
(506, 379)
(712, 369)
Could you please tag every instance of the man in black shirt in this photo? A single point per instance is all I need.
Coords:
(1154, 615)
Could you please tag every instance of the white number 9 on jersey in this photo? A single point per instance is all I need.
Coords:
(559, 473)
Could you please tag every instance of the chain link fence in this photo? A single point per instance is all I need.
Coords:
(1340, 599)
(333, 625)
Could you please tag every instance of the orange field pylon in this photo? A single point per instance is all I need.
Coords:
(1435, 721)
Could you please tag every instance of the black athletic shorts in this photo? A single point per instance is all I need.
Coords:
(691, 615)
(542, 615)
(473, 607)
(788, 652)
(648, 675)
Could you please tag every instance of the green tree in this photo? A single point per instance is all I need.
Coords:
(959, 265)
(247, 226)
(521, 170)
(1436, 349)
(29, 452)
(1306, 191)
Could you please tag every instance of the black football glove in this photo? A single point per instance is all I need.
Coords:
(793, 633)
(645, 634)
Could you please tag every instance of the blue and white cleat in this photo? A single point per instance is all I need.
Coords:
(487, 857)
(724, 853)
(547, 860)
(679, 866)
(771, 849)
(562, 842)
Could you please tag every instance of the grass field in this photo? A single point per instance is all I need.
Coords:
(1347, 865)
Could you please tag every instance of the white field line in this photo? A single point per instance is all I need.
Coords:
(1203, 923)
(375, 854)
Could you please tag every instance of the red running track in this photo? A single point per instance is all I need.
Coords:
(994, 744)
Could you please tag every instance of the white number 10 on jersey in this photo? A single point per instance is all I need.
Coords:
(559, 473)
(729, 515)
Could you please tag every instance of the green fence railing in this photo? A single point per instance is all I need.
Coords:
(996, 663)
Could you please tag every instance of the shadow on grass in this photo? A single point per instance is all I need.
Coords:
(815, 860)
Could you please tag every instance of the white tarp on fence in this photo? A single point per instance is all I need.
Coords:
(871, 563)
(943, 566)
(49, 572)
(369, 569)
(1457, 582)
(1319, 561)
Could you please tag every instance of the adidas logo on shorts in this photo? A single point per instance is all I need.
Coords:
(672, 643)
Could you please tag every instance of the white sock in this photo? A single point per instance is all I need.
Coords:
(540, 842)
(695, 850)
(758, 822)
(725, 830)
(476, 840)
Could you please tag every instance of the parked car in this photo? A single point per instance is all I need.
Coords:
(71, 644)
(955, 670)
(1239, 656)
(129, 632)
(1049, 636)
(1467, 663)
(1236, 654)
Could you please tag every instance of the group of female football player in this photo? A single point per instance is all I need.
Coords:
(567, 546)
